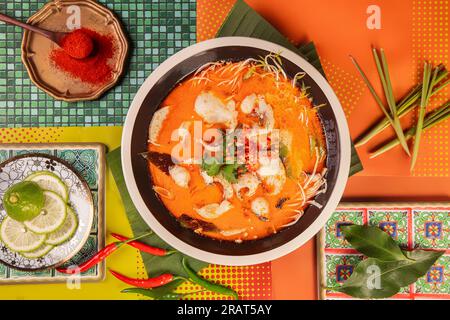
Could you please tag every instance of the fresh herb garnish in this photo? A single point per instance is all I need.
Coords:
(211, 166)
(387, 268)
(230, 172)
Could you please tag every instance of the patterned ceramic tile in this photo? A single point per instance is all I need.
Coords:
(4, 155)
(3, 271)
(84, 161)
(156, 29)
(340, 267)
(22, 274)
(411, 227)
(437, 279)
(21, 152)
(393, 222)
(95, 224)
(334, 237)
(431, 229)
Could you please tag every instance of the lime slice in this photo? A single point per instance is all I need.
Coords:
(23, 201)
(51, 182)
(39, 252)
(52, 215)
(17, 237)
(66, 231)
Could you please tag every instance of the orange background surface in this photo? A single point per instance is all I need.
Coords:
(411, 31)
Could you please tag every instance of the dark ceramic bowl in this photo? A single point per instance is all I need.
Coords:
(138, 179)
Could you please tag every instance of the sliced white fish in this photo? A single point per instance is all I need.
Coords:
(214, 210)
(227, 188)
(156, 124)
(248, 104)
(232, 232)
(260, 207)
(213, 110)
(247, 181)
(265, 112)
(183, 130)
(273, 174)
(180, 175)
(206, 178)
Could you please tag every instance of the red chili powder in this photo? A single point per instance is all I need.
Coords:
(94, 69)
(77, 44)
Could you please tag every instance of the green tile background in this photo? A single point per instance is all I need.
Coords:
(156, 29)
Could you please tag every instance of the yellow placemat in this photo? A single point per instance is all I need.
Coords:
(116, 221)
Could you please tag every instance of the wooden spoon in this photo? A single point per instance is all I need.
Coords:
(56, 37)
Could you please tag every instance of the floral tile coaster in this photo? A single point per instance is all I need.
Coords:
(89, 161)
(411, 225)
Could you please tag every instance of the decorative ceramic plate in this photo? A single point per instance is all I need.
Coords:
(17, 169)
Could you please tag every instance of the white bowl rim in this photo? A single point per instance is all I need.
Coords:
(272, 254)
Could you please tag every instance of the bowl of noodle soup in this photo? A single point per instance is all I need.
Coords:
(235, 151)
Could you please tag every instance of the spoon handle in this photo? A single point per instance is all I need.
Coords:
(45, 33)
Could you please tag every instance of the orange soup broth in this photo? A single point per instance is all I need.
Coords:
(286, 112)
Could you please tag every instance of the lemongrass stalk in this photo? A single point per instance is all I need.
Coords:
(427, 82)
(433, 119)
(383, 73)
(404, 107)
(371, 89)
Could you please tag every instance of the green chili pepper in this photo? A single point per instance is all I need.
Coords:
(156, 293)
(214, 287)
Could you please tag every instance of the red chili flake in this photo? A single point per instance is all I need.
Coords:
(94, 69)
(77, 44)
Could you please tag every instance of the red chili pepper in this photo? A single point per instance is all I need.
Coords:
(143, 247)
(97, 258)
(145, 283)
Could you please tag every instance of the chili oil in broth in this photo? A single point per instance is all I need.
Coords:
(255, 93)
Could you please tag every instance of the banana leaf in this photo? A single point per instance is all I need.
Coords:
(243, 21)
(153, 264)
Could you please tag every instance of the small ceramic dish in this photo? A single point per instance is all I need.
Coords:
(16, 169)
(36, 49)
